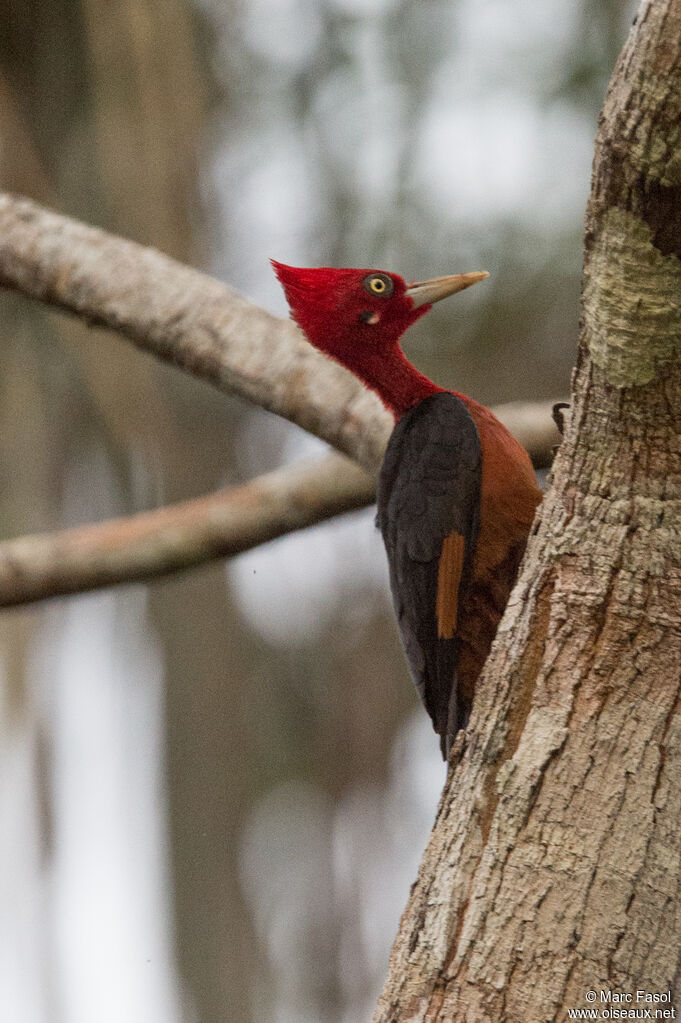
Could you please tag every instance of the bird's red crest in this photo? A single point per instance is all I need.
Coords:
(357, 318)
(341, 310)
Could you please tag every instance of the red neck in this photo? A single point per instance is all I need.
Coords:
(390, 374)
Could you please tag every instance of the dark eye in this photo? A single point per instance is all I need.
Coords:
(378, 284)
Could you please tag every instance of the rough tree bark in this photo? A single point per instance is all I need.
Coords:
(554, 867)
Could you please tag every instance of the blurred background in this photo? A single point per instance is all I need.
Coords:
(214, 789)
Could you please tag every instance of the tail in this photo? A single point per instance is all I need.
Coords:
(458, 716)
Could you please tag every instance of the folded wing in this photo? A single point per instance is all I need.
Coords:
(428, 513)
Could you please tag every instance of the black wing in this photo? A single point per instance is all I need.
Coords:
(428, 512)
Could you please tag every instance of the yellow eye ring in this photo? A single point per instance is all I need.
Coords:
(378, 284)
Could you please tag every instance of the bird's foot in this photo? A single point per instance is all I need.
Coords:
(558, 415)
(456, 747)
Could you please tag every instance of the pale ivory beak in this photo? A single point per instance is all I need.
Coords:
(422, 292)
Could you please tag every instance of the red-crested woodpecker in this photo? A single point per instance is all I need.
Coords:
(457, 493)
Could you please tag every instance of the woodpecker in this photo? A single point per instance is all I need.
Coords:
(457, 493)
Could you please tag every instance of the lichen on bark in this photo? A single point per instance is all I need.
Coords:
(632, 301)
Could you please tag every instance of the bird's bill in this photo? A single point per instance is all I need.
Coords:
(422, 292)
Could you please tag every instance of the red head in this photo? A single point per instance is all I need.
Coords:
(357, 318)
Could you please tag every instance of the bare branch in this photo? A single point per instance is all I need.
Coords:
(194, 532)
(182, 535)
(191, 320)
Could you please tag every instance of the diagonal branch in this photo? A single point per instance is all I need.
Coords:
(182, 535)
(191, 533)
(190, 319)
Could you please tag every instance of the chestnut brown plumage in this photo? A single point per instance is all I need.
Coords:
(457, 493)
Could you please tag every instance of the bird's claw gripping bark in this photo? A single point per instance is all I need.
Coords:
(558, 416)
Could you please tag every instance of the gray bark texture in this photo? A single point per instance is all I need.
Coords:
(554, 866)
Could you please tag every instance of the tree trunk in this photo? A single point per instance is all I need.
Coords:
(553, 872)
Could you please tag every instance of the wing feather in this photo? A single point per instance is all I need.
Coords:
(428, 512)
(449, 572)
